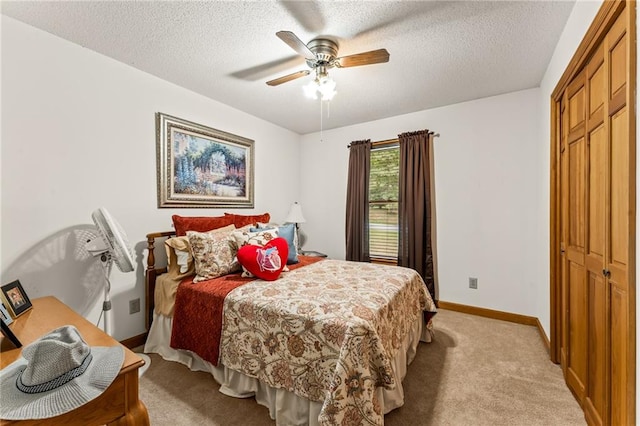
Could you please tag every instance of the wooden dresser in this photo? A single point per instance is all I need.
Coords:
(118, 405)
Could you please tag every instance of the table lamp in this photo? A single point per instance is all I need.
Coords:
(295, 216)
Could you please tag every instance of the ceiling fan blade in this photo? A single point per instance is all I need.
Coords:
(296, 44)
(307, 13)
(260, 72)
(288, 77)
(365, 58)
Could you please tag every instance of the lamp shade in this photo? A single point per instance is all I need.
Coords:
(295, 214)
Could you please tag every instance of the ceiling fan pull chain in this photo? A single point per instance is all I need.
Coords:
(321, 119)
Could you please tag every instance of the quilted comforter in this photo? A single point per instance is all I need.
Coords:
(198, 313)
(326, 332)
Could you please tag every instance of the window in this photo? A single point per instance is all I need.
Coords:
(383, 201)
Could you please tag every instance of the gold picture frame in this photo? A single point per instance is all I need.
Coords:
(199, 166)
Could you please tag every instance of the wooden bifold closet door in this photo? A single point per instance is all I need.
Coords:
(593, 285)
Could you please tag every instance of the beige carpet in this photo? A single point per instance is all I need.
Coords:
(477, 371)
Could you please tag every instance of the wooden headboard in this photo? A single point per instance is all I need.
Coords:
(151, 273)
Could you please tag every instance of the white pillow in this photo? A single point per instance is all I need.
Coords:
(182, 259)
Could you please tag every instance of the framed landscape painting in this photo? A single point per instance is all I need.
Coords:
(199, 166)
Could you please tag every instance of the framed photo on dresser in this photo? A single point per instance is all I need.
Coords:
(15, 299)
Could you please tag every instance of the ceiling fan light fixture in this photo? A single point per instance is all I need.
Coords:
(324, 86)
(311, 90)
(327, 88)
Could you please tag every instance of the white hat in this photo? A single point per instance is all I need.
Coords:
(56, 374)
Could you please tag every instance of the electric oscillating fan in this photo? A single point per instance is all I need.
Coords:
(112, 246)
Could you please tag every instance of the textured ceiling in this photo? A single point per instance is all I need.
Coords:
(442, 52)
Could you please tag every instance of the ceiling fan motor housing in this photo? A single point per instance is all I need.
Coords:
(325, 50)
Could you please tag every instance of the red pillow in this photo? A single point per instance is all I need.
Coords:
(266, 261)
(182, 224)
(240, 220)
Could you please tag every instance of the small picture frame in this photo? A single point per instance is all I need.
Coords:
(5, 315)
(15, 298)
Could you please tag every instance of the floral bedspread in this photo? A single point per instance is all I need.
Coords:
(326, 332)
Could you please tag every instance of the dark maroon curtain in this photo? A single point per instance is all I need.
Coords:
(357, 215)
(416, 220)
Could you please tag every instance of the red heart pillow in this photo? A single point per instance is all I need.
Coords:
(265, 262)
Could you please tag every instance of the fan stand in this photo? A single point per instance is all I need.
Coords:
(107, 263)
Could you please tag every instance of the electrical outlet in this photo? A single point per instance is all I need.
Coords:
(473, 283)
(134, 306)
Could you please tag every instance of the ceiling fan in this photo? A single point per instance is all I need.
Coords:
(321, 55)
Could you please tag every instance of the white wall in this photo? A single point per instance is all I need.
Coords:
(486, 179)
(78, 132)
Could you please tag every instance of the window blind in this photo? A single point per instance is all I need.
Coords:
(383, 202)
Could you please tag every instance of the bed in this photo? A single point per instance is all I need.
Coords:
(328, 342)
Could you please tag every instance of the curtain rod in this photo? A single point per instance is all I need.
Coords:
(389, 141)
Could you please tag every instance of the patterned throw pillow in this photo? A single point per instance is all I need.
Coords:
(214, 254)
(182, 249)
(245, 236)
